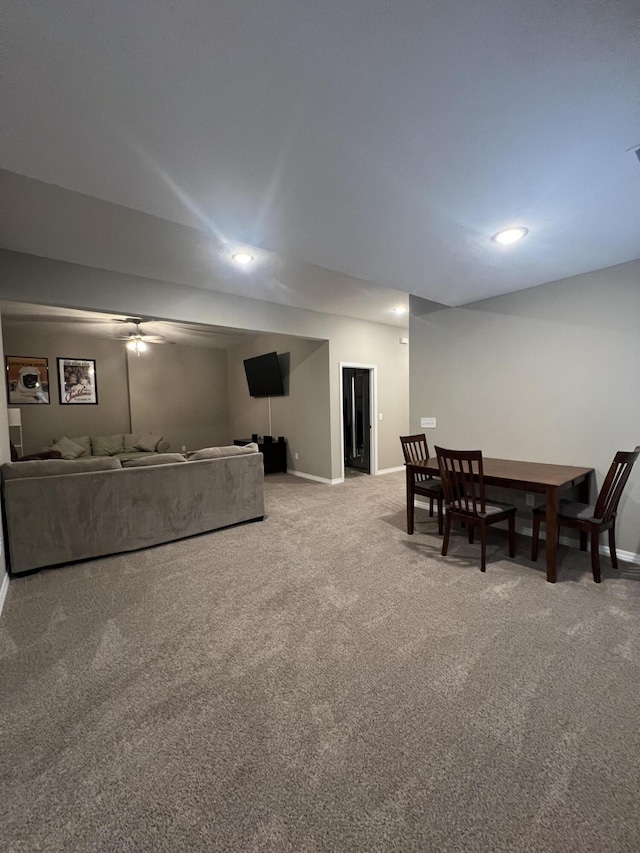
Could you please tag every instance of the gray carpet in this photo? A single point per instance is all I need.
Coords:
(321, 682)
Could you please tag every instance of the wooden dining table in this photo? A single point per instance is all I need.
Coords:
(532, 477)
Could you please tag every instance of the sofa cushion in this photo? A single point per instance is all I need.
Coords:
(107, 445)
(136, 454)
(148, 442)
(218, 452)
(155, 459)
(56, 467)
(129, 442)
(67, 448)
(83, 440)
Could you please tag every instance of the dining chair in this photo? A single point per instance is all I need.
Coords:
(464, 496)
(415, 448)
(593, 519)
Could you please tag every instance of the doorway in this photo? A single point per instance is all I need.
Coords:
(356, 418)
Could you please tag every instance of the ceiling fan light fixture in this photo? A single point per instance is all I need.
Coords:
(510, 235)
(136, 345)
(242, 258)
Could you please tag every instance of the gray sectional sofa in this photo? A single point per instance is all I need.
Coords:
(120, 445)
(59, 511)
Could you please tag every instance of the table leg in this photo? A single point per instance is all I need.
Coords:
(553, 503)
(410, 501)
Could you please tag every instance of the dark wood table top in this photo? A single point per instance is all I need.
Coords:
(524, 474)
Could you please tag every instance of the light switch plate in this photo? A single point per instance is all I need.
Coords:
(428, 423)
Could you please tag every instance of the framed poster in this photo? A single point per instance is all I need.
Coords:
(77, 380)
(27, 380)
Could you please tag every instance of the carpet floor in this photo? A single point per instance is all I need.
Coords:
(322, 682)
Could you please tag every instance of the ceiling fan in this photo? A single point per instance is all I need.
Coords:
(137, 341)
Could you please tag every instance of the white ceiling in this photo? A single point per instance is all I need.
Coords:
(386, 141)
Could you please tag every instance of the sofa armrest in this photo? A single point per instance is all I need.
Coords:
(163, 446)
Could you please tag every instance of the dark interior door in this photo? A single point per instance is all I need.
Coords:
(356, 414)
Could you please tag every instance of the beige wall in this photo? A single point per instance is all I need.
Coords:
(549, 374)
(42, 423)
(26, 278)
(375, 345)
(177, 391)
(181, 393)
(301, 416)
(5, 456)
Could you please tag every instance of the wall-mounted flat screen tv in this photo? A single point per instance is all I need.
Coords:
(264, 377)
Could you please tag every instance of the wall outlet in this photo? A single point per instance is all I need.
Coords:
(428, 423)
(404, 340)
(530, 500)
(380, 416)
(184, 448)
(295, 455)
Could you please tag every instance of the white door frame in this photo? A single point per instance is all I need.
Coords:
(373, 414)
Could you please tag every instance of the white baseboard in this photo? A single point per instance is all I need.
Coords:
(4, 589)
(391, 470)
(627, 556)
(314, 478)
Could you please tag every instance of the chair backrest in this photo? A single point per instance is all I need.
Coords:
(415, 448)
(614, 483)
(462, 479)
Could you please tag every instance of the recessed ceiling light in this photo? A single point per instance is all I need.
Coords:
(510, 235)
(400, 310)
(242, 258)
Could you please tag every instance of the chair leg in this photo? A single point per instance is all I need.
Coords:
(595, 554)
(583, 540)
(447, 533)
(471, 533)
(440, 516)
(612, 547)
(535, 536)
(512, 535)
(430, 507)
(483, 548)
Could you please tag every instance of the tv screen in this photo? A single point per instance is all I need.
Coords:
(263, 375)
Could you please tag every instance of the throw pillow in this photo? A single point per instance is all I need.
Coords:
(106, 445)
(160, 459)
(83, 440)
(130, 442)
(148, 442)
(67, 448)
(228, 450)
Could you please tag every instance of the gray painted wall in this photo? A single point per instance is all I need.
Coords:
(181, 393)
(302, 415)
(42, 423)
(26, 278)
(177, 391)
(548, 374)
(5, 456)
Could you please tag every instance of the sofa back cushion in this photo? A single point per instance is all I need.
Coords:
(67, 448)
(130, 442)
(107, 445)
(56, 467)
(83, 440)
(160, 459)
(148, 442)
(227, 450)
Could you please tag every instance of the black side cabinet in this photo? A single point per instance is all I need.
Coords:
(273, 452)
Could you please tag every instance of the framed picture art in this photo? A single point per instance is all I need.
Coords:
(77, 380)
(27, 380)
